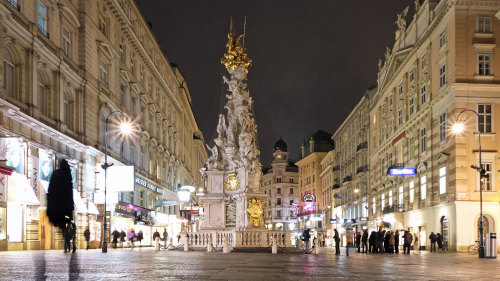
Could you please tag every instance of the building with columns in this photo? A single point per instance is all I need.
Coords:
(65, 67)
(441, 63)
(280, 183)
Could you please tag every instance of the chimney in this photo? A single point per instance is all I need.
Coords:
(311, 145)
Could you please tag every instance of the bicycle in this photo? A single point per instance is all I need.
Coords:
(473, 248)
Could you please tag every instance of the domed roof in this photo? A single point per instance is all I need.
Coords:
(281, 145)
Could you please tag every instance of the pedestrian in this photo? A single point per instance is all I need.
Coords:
(372, 241)
(131, 238)
(396, 242)
(165, 237)
(314, 243)
(60, 204)
(439, 240)
(86, 234)
(336, 237)
(140, 236)
(115, 234)
(70, 235)
(392, 242)
(381, 236)
(156, 234)
(433, 239)
(123, 235)
(178, 238)
(387, 239)
(305, 237)
(323, 240)
(364, 240)
(408, 238)
(358, 241)
(66, 236)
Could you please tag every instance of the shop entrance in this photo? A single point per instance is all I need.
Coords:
(444, 232)
(422, 237)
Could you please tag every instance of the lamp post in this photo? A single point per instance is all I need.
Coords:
(125, 128)
(457, 129)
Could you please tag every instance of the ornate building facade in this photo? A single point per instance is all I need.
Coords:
(280, 183)
(66, 66)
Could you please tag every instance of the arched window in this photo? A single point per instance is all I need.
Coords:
(69, 110)
(486, 225)
(8, 73)
(43, 95)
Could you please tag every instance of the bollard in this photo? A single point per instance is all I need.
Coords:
(157, 239)
(209, 248)
(274, 247)
(225, 249)
(316, 247)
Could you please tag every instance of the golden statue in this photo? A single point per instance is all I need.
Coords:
(236, 55)
(255, 211)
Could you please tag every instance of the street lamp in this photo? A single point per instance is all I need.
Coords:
(458, 128)
(184, 193)
(125, 128)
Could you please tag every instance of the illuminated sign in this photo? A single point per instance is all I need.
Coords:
(402, 171)
(149, 185)
(309, 207)
(363, 219)
(333, 221)
(308, 197)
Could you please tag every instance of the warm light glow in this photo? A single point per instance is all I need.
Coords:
(356, 190)
(126, 128)
(458, 128)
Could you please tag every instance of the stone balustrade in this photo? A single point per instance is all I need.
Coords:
(238, 239)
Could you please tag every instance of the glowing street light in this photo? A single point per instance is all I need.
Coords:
(458, 128)
(184, 193)
(126, 129)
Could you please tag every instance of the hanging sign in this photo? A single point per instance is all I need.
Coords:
(308, 197)
(402, 171)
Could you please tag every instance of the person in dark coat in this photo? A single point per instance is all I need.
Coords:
(387, 239)
(156, 234)
(358, 241)
(60, 203)
(433, 239)
(439, 240)
(372, 241)
(305, 237)
(86, 234)
(407, 243)
(381, 236)
(140, 236)
(69, 233)
(123, 235)
(396, 242)
(336, 237)
(364, 240)
(115, 234)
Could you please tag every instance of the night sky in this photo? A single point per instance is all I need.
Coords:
(312, 60)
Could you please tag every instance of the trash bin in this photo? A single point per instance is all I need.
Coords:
(493, 245)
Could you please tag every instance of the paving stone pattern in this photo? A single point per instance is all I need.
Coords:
(148, 264)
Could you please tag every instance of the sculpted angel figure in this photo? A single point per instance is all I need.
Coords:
(401, 22)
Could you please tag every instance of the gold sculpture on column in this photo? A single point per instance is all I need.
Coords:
(236, 54)
(255, 211)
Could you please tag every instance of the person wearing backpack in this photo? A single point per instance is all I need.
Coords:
(305, 237)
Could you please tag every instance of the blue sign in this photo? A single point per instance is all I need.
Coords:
(402, 171)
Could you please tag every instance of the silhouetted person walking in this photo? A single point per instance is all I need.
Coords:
(433, 239)
(336, 237)
(86, 233)
(305, 237)
(364, 240)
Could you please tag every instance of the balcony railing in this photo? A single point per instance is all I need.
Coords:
(393, 209)
(347, 179)
(362, 169)
(362, 145)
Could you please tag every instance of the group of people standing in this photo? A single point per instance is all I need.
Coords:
(383, 241)
(436, 238)
(131, 236)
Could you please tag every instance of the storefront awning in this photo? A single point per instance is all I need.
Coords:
(79, 205)
(92, 208)
(169, 198)
(20, 190)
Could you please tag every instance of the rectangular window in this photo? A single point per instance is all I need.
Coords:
(485, 117)
(390, 198)
(442, 180)
(487, 183)
(278, 190)
(382, 135)
(423, 94)
(412, 106)
(400, 196)
(400, 117)
(278, 201)
(484, 64)
(442, 39)
(390, 100)
(8, 78)
(14, 3)
(389, 159)
(67, 42)
(442, 126)
(374, 206)
(412, 191)
(374, 173)
(423, 187)
(103, 76)
(291, 202)
(132, 65)
(291, 191)
(290, 180)
(424, 61)
(278, 213)
(442, 75)
(374, 141)
(483, 24)
(102, 25)
(382, 166)
(400, 88)
(423, 140)
(412, 75)
(389, 127)
(42, 16)
(278, 180)
(382, 199)
(122, 52)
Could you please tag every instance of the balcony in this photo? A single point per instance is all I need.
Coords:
(347, 179)
(393, 209)
(362, 145)
(395, 166)
(362, 169)
(336, 168)
(335, 186)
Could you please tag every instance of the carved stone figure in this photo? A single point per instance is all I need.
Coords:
(255, 211)
(401, 22)
(380, 64)
(387, 54)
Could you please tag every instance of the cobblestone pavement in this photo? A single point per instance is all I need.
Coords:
(148, 264)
